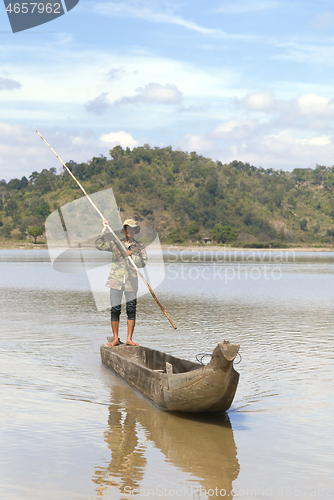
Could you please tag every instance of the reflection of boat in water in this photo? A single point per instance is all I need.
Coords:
(202, 447)
(176, 384)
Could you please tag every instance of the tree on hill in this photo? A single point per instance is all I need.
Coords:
(175, 237)
(303, 224)
(42, 210)
(193, 229)
(17, 184)
(35, 231)
(11, 207)
(7, 229)
(223, 234)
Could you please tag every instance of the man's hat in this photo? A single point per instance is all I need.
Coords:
(132, 223)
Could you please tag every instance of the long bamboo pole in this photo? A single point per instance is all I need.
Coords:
(110, 229)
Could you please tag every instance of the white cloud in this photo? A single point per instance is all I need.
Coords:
(286, 151)
(307, 110)
(279, 151)
(121, 138)
(323, 19)
(192, 109)
(315, 105)
(99, 105)
(242, 6)
(116, 73)
(324, 140)
(60, 99)
(154, 93)
(167, 16)
(285, 141)
(22, 151)
(9, 84)
(197, 142)
(259, 101)
(312, 52)
(199, 87)
(234, 129)
(143, 12)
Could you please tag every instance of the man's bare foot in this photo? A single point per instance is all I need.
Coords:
(130, 342)
(113, 343)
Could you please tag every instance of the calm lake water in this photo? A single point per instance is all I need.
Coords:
(70, 429)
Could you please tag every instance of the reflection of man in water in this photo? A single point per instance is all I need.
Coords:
(123, 277)
(128, 452)
(128, 461)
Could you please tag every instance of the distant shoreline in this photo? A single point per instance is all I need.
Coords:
(217, 248)
(22, 245)
(25, 245)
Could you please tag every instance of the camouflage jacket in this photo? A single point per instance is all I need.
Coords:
(120, 263)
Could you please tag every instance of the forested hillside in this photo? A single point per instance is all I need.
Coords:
(184, 196)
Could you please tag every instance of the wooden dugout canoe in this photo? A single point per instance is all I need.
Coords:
(176, 384)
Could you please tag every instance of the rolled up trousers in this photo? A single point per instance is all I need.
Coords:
(116, 301)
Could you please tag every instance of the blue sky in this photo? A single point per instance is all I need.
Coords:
(245, 80)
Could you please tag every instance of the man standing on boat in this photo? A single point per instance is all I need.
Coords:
(123, 277)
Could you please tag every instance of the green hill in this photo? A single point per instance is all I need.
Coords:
(185, 197)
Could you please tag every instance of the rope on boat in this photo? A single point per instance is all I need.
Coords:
(239, 359)
(202, 355)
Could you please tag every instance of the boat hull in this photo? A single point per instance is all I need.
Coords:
(176, 384)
